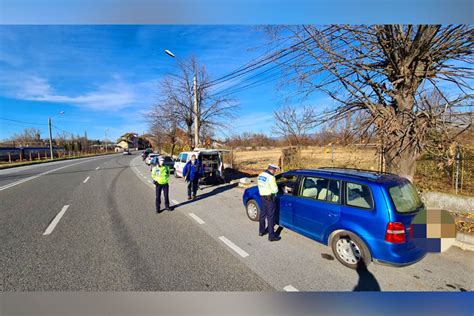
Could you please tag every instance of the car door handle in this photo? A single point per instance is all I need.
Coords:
(288, 204)
(331, 214)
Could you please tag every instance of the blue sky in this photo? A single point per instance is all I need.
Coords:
(105, 77)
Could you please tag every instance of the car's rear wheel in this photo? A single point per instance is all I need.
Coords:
(350, 250)
(253, 211)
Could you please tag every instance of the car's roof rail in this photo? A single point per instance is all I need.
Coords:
(361, 170)
(373, 175)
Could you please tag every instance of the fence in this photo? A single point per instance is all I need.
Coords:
(10, 159)
(457, 178)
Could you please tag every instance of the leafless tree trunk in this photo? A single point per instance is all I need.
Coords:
(384, 71)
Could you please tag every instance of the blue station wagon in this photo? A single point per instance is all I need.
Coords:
(363, 216)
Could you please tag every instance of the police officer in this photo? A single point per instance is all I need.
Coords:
(268, 188)
(160, 174)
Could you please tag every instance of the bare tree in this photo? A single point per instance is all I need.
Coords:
(27, 136)
(385, 71)
(164, 120)
(442, 140)
(177, 93)
(294, 123)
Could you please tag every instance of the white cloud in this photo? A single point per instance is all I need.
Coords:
(33, 87)
(112, 96)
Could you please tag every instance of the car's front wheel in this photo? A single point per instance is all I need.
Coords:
(350, 250)
(253, 211)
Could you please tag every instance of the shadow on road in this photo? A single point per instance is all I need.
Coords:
(216, 191)
(232, 174)
(367, 281)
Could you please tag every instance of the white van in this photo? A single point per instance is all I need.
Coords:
(210, 159)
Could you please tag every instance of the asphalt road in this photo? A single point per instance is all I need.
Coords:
(109, 238)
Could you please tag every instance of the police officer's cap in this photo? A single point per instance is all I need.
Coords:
(272, 166)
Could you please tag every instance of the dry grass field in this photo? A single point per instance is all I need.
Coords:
(311, 157)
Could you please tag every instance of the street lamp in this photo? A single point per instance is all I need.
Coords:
(196, 107)
(51, 134)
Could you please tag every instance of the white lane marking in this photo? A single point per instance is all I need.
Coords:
(87, 179)
(97, 168)
(196, 218)
(290, 288)
(41, 174)
(234, 247)
(55, 221)
(175, 202)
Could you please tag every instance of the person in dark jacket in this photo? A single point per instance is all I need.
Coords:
(192, 172)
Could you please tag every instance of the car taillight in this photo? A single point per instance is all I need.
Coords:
(395, 232)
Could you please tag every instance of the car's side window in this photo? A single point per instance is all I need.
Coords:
(334, 191)
(179, 158)
(309, 187)
(287, 183)
(359, 195)
(184, 157)
(321, 189)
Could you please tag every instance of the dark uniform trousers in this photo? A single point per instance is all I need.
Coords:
(193, 187)
(268, 212)
(158, 189)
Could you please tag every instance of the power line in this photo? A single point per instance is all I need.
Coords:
(22, 122)
(263, 61)
(266, 59)
(273, 76)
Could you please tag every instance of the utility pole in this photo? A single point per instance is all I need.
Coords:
(196, 106)
(196, 113)
(105, 140)
(50, 139)
(51, 135)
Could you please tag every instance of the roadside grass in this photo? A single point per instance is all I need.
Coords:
(6, 165)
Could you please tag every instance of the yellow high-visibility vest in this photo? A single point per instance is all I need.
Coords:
(160, 174)
(267, 184)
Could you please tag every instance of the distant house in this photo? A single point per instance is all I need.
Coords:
(126, 142)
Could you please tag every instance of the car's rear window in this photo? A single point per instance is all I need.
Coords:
(405, 198)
